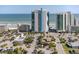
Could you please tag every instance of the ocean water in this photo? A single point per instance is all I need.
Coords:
(20, 18)
(15, 18)
(24, 18)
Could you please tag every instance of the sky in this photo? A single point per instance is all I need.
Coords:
(23, 9)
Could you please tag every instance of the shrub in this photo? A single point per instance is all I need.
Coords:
(72, 51)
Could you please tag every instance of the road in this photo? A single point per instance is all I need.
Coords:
(59, 46)
(33, 45)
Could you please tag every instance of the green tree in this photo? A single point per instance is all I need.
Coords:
(62, 40)
(12, 38)
(9, 51)
(16, 50)
(1, 35)
(40, 52)
(28, 40)
(15, 43)
(52, 45)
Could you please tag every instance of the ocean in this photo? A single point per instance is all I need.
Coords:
(24, 18)
(20, 18)
(15, 18)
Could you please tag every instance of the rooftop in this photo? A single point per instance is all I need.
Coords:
(74, 44)
(19, 39)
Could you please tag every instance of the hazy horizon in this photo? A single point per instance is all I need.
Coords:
(23, 9)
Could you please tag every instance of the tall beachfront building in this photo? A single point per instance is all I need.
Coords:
(65, 21)
(73, 20)
(40, 21)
